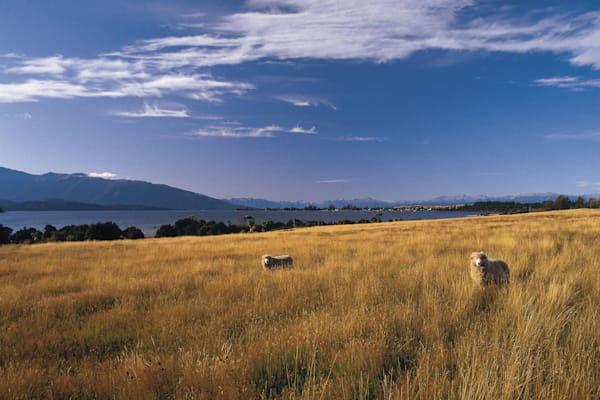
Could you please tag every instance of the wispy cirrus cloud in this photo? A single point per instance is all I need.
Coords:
(561, 81)
(39, 66)
(282, 30)
(594, 185)
(593, 136)
(154, 111)
(378, 31)
(198, 87)
(333, 181)
(360, 139)
(305, 101)
(36, 89)
(568, 82)
(237, 132)
(304, 131)
(59, 77)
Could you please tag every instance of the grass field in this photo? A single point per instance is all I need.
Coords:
(383, 311)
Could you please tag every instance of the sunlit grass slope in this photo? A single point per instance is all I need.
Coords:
(370, 311)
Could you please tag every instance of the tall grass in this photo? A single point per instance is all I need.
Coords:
(379, 311)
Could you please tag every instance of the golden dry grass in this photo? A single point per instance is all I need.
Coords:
(383, 311)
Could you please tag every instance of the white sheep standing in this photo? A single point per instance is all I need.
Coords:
(487, 272)
(277, 262)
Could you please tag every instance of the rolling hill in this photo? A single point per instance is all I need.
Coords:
(18, 186)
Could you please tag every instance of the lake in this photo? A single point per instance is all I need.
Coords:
(149, 221)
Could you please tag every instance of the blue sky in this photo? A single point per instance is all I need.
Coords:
(306, 99)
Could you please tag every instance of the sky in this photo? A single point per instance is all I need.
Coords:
(306, 99)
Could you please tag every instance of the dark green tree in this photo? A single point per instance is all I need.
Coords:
(593, 203)
(49, 232)
(133, 232)
(5, 233)
(188, 226)
(166, 230)
(72, 233)
(562, 203)
(579, 202)
(103, 231)
(27, 236)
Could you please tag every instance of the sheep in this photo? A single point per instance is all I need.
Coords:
(277, 262)
(487, 272)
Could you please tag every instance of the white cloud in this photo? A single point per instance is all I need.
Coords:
(568, 82)
(197, 86)
(360, 139)
(333, 181)
(103, 175)
(40, 66)
(557, 81)
(304, 131)
(154, 111)
(35, 89)
(588, 184)
(305, 101)
(226, 131)
(236, 130)
(581, 136)
(283, 30)
(378, 30)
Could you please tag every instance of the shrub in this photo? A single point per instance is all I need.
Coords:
(27, 235)
(103, 231)
(72, 233)
(133, 232)
(5, 232)
(166, 230)
(187, 226)
(49, 232)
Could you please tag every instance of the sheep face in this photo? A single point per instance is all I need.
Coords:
(479, 259)
(267, 260)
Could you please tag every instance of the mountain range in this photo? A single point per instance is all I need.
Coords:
(374, 203)
(52, 191)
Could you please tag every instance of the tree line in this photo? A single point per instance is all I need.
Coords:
(69, 233)
(188, 226)
(191, 226)
(561, 202)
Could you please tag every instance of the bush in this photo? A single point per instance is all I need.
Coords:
(562, 203)
(166, 230)
(133, 233)
(27, 235)
(5, 233)
(72, 233)
(103, 231)
(188, 226)
(49, 232)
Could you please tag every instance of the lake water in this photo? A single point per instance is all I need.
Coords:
(149, 221)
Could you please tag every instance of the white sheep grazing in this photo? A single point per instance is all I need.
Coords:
(486, 271)
(277, 262)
